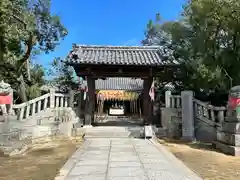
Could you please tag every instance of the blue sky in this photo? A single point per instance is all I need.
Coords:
(107, 22)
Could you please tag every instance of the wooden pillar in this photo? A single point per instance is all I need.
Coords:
(140, 111)
(90, 101)
(147, 104)
(93, 99)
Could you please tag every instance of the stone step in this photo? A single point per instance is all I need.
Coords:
(113, 131)
(229, 138)
(13, 147)
(227, 149)
(160, 132)
(107, 135)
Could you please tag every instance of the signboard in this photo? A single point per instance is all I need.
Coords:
(117, 94)
(116, 111)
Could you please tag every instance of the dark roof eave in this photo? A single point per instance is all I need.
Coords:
(130, 65)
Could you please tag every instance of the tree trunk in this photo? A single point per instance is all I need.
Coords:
(28, 70)
(1, 45)
(22, 89)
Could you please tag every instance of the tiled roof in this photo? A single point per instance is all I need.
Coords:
(115, 55)
(118, 84)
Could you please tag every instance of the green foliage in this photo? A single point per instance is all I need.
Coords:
(27, 27)
(207, 41)
(63, 76)
(37, 80)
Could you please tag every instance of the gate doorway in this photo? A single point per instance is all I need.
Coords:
(97, 63)
(118, 102)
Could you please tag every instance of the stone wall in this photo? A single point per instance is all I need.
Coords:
(191, 119)
(18, 134)
(172, 122)
(205, 131)
(228, 136)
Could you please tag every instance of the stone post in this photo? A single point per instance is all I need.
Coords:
(3, 108)
(71, 99)
(167, 99)
(187, 116)
(10, 107)
(52, 98)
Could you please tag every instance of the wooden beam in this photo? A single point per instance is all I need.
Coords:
(114, 74)
(169, 73)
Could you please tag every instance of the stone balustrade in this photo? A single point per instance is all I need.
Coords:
(201, 121)
(49, 114)
(175, 101)
(210, 114)
(46, 101)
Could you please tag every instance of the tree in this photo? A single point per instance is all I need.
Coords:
(37, 80)
(155, 34)
(62, 75)
(206, 40)
(27, 27)
(215, 39)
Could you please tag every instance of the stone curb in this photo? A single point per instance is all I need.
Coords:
(67, 167)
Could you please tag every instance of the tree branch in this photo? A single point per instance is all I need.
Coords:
(20, 20)
(27, 54)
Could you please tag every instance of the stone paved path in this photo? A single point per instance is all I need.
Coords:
(124, 159)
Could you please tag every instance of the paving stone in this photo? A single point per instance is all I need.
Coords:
(95, 153)
(88, 170)
(147, 150)
(128, 178)
(103, 148)
(126, 171)
(124, 159)
(167, 175)
(152, 161)
(97, 156)
(92, 162)
(131, 153)
(121, 143)
(151, 156)
(124, 164)
(87, 177)
(123, 149)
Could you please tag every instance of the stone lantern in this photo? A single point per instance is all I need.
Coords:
(228, 135)
(233, 107)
